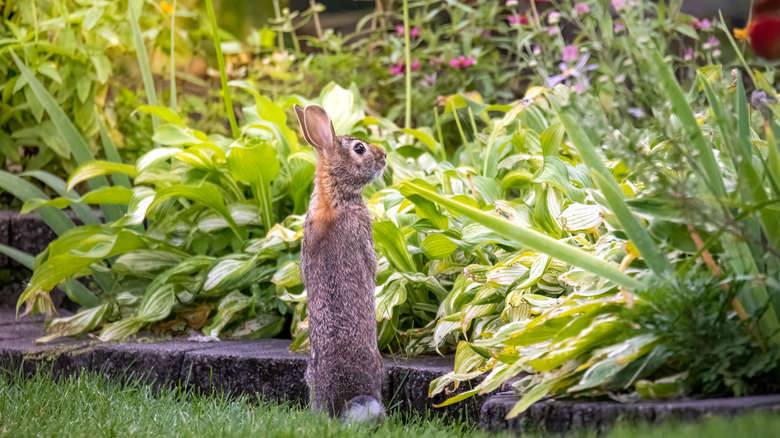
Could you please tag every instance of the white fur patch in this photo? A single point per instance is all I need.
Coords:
(370, 411)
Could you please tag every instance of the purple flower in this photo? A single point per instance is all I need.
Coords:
(581, 8)
(570, 53)
(701, 24)
(619, 27)
(511, 2)
(576, 72)
(635, 112)
(462, 62)
(552, 30)
(554, 17)
(713, 41)
(688, 55)
(537, 50)
(428, 80)
(619, 5)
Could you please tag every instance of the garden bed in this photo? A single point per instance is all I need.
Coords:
(268, 367)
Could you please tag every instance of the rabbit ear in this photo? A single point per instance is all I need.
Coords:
(316, 126)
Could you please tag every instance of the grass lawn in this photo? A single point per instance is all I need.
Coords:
(90, 405)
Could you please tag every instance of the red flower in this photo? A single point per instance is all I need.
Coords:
(764, 32)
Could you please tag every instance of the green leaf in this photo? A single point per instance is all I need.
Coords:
(96, 168)
(82, 322)
(84, 212)
(21, 257)
(437, 246)
(392, 244)
(164, 113)
(207, 194)
(257, 165)
(58, 221)
(170, 134)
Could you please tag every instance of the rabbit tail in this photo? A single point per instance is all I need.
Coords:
(363, 408)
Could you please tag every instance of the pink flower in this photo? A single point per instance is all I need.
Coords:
(537, 50)
(619, 5)
(400, 67)
(413, 32)
(554, 17)
(517, 19)
(462, 62)
(511, 2)
(581, 8)
(701, 24)
(570, 53)
(713, 41)
(619, 28)
(688, 54)
(552, 30)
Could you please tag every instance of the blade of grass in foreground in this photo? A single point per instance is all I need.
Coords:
(527, 237)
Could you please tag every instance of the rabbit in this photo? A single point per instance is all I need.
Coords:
(338, 267)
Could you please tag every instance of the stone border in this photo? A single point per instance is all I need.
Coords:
(555, 417)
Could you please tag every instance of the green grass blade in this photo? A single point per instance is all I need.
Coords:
(112, 154)
(527, 237)
(174, 100)
(223, 76)
(21, 257)
(83, 211)
(143, 61)
(683, 111)
(58, 221)
(651, 252)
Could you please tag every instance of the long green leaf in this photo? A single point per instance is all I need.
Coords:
(21, 257)
(527, 237)
(651, 252)
(84, 212)
(58, 221)
(143, 61)
(222, 73)
(98, 168)
(112, 154)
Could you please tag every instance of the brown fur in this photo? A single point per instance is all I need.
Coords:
(338, 266)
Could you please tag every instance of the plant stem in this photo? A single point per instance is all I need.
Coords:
(222, 74)
(279, 35)
(173, 58)
(408, 56)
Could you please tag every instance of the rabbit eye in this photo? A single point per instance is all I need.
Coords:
(359, 148)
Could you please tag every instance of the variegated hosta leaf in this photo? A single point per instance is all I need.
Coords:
(228, 307)
(538, 268)
(478, 273)
(288, 275)
(506, 275)
(513, 212)
(606, 362)
(471, 310)
(227, 268)
(145, 261)
(581, 217)
(242, 214)
(121, 329)
(153, 156)
(77, 324)
(136, 210)
(262, 326)
(466, 359)
(157, 303)
(388, 295)
(444, 327)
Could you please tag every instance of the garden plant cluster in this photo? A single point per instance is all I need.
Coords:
(581, 193)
